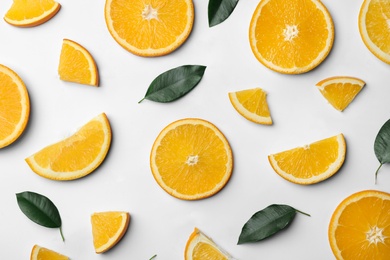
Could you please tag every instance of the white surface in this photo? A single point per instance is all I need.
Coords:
(160, 223)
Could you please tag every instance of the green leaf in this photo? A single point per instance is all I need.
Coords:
(39, 209)
(174, 83)
(382, 146)
(220, 10)
(267, 222)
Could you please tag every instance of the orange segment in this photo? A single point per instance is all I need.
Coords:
(191, 159)
(340, 91)
(252, 104)
(41, 253)
(14, 106)
(292, 36)
(149, 27)
(75, 156)
(31, 13)
(77, 64)
(108, 228)
(360, 227)
(311, 163)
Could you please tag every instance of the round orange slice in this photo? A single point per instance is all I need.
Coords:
(191, 159)
(41, 253)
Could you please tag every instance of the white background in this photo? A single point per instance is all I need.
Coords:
(161, 224)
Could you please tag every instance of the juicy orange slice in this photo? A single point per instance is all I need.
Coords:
(374, 27)
(77, 64)
(14, 106)
(360, 227)
(75, 156)
(311, 163)
(252, 104)
(340, 91)
(191, 159)
(292, 36)
(149, 28)
(31, 13)
(41, 253)
(108, 228)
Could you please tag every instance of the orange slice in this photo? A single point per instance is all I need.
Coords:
(31, 13)
(75, 156)
(360, 227)
(108, 228)
(311, 163)
(191, 159)
(340, 91)
(41, 253)
(14, 106)
(374, 27)
(252, 104)
(149, 28)
(77, 64)
(292, 36)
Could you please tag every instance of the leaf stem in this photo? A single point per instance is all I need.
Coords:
(152, 257)
(376, 173)
(62, 235)
(302, 213)
(141, 100)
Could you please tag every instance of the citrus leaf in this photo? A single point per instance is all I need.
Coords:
(174, 83)
(220, 10)
(382, 145)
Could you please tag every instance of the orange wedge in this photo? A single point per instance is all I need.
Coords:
(108, 228)
(292, 36)
(149, 28)
(14, 106)
(41, 253)
(340, 91)
(31, 13)
(360, 227)
(252, 104)
(311, 163)
(191, 159)
(75, 156)
(77, 64)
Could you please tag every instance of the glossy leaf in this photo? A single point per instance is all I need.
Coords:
(174, 83)
(220, 10)
(382, 146)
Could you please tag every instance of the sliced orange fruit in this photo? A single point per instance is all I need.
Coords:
(77, 64)
(76, 156)
(252, 104)
(374, 27)
(108, 228)
(360, 227)
(149, 28)
(14, 106)
(31, 13)
(41, 253)
(201, 247)
(292, 36)
(191, 159)
(340, 91)
(311, 163)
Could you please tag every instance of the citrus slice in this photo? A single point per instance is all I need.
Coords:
(108, 228)
(41, 253)
(360, 227)
(191, 159)
(292, 36)
(149, 28)
(14, 106)
(77, 64)
(75, 156)
(374, 22)
(311, 163)
(31, 13)
(340, 91)
(201, 247)
(252, 104)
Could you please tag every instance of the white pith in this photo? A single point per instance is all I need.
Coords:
(149, 13)
(290, 32)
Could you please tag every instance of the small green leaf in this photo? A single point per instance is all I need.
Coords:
(382, 146)
(174, 83)
(220, 10)
(39, 209)
(267, 222)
